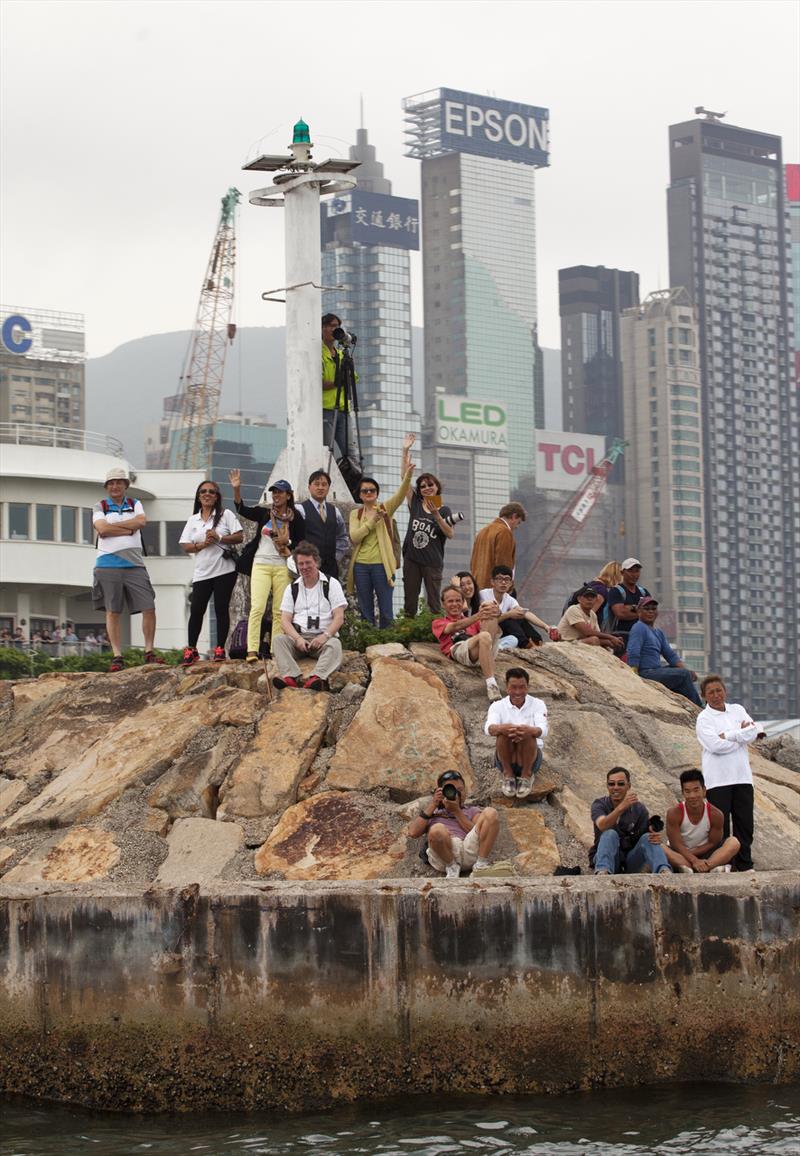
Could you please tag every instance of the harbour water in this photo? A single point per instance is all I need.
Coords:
(718, 1119)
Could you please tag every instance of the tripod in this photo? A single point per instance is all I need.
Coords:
(350, 463)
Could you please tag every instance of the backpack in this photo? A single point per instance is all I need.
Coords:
(611, 618)
(131, 502)
(572, 600)
(238, 644)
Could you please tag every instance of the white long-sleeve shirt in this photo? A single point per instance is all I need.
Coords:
(725, 759)
(532, 713)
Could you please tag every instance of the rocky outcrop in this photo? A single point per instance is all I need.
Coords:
(168, 777)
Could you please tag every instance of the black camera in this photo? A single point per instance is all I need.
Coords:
(449, 791)
(343, 337)
(656, 823)
(460, 636)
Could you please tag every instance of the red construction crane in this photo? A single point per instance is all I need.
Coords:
(191, 437)
(568, 525)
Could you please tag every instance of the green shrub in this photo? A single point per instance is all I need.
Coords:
(30, 664)
(356, 634)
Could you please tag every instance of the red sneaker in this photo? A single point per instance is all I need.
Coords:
(314, 683)
(281, 683)
(219, 654)
(190, 655)
(117, 663)
(153, 659)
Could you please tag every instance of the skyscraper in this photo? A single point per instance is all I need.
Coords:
(793, 202)
(729, 246)
(366, 239)
(663, 426)
(591, 299)
(43, 369)
(479, 157)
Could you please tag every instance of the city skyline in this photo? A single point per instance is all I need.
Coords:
(108, 203)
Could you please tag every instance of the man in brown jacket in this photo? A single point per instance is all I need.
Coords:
(494, 545)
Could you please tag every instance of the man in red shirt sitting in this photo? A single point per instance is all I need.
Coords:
(471, 640)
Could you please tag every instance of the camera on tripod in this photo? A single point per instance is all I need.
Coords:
(343, 337)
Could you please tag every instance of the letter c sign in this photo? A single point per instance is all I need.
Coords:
(11, 341)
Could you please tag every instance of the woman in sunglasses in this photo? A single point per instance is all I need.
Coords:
(206, 535)
(429, 527)
(373, 561)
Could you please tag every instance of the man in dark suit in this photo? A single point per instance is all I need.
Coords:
(324, 524)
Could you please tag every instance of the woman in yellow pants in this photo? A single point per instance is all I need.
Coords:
(279, 529)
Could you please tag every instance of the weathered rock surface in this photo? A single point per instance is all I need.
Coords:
(199, 851)
(536, 850)
(333, 836)
(264, 782)
(81, 856)
(324, 785)
(137, 748)
(405, 734)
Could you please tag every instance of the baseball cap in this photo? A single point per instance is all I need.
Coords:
(283, 485)
(647, 601)
(629, 563)
(118, 474)
(586, 590)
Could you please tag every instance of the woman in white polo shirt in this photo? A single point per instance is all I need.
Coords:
(206, 535)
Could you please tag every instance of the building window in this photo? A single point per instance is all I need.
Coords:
(45, 523)
(151, 536)
(18, 520)
(174, 531)
(69, 524)
(87, 526)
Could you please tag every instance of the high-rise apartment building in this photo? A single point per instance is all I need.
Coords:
(42, 368)
(591, 299)
(479, 157)
(793, 204)
(729, 247)
(663, 425)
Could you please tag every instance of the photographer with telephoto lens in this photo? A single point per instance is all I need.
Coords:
(459, 838)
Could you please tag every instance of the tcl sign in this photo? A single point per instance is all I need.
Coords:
(564, 459)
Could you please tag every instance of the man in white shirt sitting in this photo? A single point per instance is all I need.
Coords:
(724, 731)
(312, 612)
(517, 625)
(518, 722)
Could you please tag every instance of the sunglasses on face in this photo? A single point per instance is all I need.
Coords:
(369, 490)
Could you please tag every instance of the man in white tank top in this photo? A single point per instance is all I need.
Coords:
(695, 830)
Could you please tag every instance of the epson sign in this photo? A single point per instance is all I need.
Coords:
(494, 128)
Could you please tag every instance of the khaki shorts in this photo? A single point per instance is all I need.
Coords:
(465, 851)
(460, 651)
(114, 586)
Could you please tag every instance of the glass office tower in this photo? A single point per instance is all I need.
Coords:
(729, 247)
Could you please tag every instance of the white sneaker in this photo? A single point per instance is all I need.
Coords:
(686, 870)
(493, 692)
(452, 871)
(480, 864)
(509, 787)
(724, 869)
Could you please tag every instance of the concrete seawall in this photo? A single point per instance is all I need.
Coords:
(303, 995)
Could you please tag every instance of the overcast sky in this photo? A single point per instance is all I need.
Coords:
(124, 123)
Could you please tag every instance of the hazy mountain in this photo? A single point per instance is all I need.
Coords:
(125, 389)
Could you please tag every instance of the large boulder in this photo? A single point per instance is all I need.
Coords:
(136, 748)
(404, 735)
(333, 835)
(264, 781)
(82, 855)
(199, 851)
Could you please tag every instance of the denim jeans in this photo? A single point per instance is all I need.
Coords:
(677, 678)
(608, 856)
(371, 580)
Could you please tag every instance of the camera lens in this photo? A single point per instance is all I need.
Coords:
(449, 791)
(656, 823)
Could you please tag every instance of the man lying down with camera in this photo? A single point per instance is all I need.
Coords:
(459, 838)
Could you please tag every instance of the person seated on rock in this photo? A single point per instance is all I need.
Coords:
(624, 838)
(579, 623)
(459, 838)
(518, 723)
(695, 830)
(517, 625)
(312, 612)
(469, 639)
(647, 645)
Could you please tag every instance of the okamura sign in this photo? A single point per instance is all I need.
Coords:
(494, 128)
(463, 421)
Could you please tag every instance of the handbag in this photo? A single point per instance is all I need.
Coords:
(394, 535)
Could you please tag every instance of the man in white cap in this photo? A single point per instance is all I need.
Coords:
(623, 599)
(120, 576)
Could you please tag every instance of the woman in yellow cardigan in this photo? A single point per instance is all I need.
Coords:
(372, 564)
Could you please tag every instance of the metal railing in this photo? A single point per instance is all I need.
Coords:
(62, 437)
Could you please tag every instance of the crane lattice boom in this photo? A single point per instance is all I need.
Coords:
(568, 525)
(192, 427)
